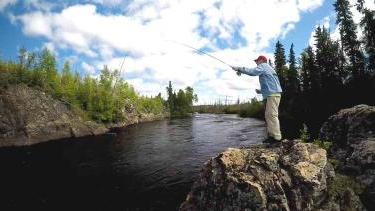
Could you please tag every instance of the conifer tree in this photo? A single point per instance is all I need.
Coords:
(292, 76)
(314, 75)
(280, 64)
(171, 99)
(368, 26)
(305, 74)
(327, 59)
(349, 41)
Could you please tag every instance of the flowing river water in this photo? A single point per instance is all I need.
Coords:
(149, 166)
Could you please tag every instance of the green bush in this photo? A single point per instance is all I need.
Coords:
(304, 134)
(341, 183)
(254, 109)
(323, 144)
(104, 99)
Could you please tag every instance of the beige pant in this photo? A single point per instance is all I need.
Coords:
(272, 117)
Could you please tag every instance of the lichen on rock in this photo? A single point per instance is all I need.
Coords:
(289, 176)
(352, 132)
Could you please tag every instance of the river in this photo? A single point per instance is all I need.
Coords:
(149, 166)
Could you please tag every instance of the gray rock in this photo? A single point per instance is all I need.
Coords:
(352, 132)
(292, 176)
(29, 116)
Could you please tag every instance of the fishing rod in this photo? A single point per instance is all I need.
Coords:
(202, 52)
(120, 73)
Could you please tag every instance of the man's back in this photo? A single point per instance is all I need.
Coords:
(269, 82)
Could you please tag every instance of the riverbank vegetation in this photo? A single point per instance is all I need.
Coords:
(331, 75)
(104, 99)
(253, 109)
(180, 104)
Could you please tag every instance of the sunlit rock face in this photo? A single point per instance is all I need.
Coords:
(288, 176)
(29, 116)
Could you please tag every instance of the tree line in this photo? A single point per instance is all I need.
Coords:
(331, 75)
(181, 103)
(252, 108)
(105, 99)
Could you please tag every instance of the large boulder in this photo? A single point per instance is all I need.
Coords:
(29, 116)
(289, 176)
(352, 132)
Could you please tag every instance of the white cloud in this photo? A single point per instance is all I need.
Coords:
(37, 24)
(39, 5)
(90, 70)
(309, 5)
(6, 3)
(144, 31)
(51, 47)
(107, 2)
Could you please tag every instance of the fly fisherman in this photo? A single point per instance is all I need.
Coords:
(271, 92)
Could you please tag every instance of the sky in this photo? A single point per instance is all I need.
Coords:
(148, 37)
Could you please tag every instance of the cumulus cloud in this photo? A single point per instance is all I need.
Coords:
(309, 5)
(233, 30)
(107, 2)
(6, 3)
(89, 69)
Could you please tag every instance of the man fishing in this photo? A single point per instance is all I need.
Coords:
(271, 92)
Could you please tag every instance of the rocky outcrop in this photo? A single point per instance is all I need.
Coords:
(132, 117)
(352, 132)
(289, 176)
(29, 116)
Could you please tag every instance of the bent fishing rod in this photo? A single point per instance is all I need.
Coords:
(202, 52)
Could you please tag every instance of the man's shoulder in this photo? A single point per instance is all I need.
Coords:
(266, 67)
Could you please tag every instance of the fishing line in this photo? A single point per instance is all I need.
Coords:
(200, 51)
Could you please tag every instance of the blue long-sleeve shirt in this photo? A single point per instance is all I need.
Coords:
(269, 82)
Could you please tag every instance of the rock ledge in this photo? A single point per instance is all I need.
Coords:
(290, 176)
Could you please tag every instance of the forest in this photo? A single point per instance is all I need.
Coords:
(103, 99)
(329, 76)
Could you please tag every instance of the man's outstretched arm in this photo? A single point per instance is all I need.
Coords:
(248, 71)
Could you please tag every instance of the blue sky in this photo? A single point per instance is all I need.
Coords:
(91, 33)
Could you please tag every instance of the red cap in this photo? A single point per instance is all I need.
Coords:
(261, 57)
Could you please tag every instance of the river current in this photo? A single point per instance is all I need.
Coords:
(149, 166)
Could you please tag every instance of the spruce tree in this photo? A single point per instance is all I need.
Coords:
(171, 97)
(368, 25)
(292, 76)
(314, 75)
(327, 58)
(305, 74)
(328, 66)
(280, 64)
(348, 34)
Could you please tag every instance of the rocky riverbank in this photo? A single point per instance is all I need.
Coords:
(291, 176)
(352, 132)
(29, 116)
(294, 175)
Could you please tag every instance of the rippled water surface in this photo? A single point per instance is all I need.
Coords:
(149, 166)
